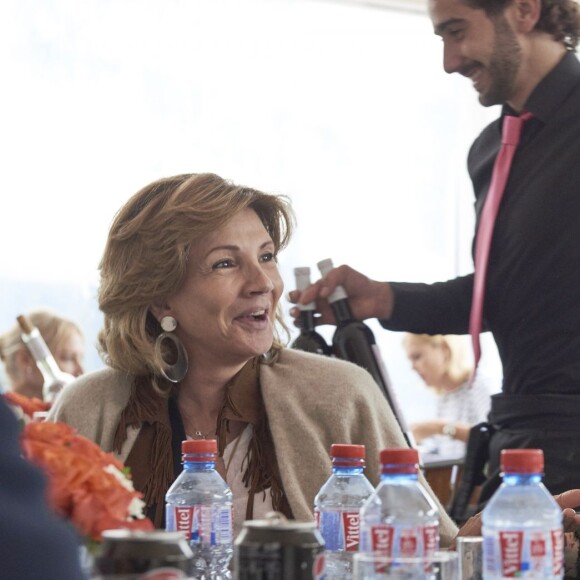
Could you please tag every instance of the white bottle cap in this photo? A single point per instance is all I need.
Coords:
(339, 292)
(302, 276)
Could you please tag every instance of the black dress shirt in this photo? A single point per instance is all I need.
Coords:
(532, 299)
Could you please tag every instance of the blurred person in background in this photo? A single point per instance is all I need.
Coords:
(63, 337)
(445, 366)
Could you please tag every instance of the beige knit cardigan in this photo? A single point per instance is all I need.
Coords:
(311, 400)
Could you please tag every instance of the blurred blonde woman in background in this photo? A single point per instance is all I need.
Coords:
(442, 361)
(64, 339)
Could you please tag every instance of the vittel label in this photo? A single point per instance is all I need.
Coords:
(557, 537)
(351, 530)
(184, 519)
(538, 546)
(340, 530)
(511, 552)
(408, 543)
(382, 539)
(532, 553)
(430, 540)
(204, 524)
(402, 540)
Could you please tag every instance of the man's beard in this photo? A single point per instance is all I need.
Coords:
(503, 66)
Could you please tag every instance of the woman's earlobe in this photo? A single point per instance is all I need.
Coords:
(159, 310)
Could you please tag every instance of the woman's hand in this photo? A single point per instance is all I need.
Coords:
(427, 429)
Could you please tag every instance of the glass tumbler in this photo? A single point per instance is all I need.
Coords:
(443, 565)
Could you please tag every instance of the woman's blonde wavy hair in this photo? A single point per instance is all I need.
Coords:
(147, 250)
(459, 364)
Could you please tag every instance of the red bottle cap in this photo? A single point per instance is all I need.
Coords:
(207, 447)
(344, 455)
(402, 460)
(522, 460)
(349, 451)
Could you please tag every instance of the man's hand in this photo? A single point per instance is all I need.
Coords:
(368, 298)
(568, 501)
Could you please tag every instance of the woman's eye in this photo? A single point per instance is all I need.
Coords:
(269, 257)
(227, 263)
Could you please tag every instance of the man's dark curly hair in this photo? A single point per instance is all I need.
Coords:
(560, 18)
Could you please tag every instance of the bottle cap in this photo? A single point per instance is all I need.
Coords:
(339, 293)
(522, 460)
(344, 455)
(404, 460)
(199, 447)
(302, 276)
(325, 266)
(347, 451)
(24, 323)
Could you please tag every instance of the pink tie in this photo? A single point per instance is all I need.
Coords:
(512, 129)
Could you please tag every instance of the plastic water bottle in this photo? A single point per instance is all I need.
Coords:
(337, 509)
(400, 519)
(199, 503)
(523, 534)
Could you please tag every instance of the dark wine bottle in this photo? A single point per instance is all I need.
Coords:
(354, 341)
(308, 339)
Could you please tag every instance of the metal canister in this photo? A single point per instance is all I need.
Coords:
(278, 549)
(139, 555)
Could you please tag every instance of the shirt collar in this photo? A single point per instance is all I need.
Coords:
(548, 96)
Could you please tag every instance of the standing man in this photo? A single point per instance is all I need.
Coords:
(519, 54)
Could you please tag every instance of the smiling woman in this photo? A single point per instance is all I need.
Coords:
(189, 291)
(235, 280)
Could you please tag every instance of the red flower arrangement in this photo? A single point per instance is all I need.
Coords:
(27, 405)
(87, 486)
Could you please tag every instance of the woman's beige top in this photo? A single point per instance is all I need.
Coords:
(312, 401)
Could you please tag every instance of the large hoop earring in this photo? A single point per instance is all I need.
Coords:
(172, 372)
